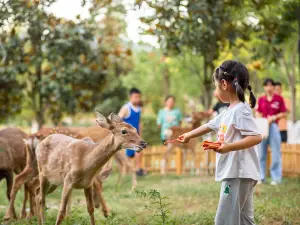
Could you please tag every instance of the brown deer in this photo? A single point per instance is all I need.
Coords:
(73, 163)
(96, 133)
(29, 176)
(13, 160)
(175, 132)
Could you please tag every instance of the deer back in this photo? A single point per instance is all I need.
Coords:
(14, 138)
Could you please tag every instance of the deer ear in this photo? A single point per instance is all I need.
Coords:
(115, 118)
(102, 120)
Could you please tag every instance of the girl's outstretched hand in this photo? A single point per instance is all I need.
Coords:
(224, 148)
(184, 138)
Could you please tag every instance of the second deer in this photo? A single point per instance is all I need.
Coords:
(175, 132)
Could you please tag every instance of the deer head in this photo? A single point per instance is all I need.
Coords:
(125, 134)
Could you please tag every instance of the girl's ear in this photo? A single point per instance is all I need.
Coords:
(223, 85)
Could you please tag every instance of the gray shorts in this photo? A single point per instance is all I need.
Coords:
(236, 202)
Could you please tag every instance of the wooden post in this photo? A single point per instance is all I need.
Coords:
(178, 161)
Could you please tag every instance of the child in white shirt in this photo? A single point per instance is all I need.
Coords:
(237, 163)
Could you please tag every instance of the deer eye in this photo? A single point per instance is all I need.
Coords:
(124, 131)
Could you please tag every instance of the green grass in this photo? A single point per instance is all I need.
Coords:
(193, 200)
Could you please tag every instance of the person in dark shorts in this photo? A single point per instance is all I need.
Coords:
(282, 123)
(131, 113)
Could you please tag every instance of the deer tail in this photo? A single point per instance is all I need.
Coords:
(28, 153)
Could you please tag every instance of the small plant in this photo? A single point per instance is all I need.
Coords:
(157, 205)
(112, 219)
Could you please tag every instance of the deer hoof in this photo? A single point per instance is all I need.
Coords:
(9, 217)
(106, 213)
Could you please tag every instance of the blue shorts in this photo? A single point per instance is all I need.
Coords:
(130, 153)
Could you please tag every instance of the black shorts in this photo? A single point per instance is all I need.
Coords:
(283, 134)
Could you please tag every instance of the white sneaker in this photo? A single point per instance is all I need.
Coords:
(274, 183)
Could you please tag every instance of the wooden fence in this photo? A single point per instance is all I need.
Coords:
(204, 161)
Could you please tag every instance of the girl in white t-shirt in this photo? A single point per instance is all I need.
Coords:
(237, 163)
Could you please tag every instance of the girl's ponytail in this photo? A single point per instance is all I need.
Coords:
(252, 99)
(239, 90)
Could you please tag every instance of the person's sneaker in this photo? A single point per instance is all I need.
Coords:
(140, 173)
(274, 183)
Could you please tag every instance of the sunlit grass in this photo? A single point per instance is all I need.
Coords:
(193, 201)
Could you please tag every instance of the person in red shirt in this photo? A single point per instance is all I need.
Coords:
(272, 107)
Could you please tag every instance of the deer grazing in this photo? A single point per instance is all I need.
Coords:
(73, 163)
(175, 132)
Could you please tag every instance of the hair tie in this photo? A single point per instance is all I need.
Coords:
(224, 72)
(235, 82)
(249, 88)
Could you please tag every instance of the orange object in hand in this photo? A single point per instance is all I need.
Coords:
(210, 145)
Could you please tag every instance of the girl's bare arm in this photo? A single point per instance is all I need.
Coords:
(204, 129)
(245, 143)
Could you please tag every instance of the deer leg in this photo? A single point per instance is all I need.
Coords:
(95, 196)
(42, 199)
(23, 211)
(32, 204)
(33, 187)
(130, 167)
(99, 188)
(69, 204)
(66, 192)
(183, 162)
(164, 165)
(121, 165)
(134, 181)
(89, 203)
(194, 160)
(20, 179)
(122, 172)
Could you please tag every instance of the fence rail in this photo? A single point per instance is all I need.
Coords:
(204, 161)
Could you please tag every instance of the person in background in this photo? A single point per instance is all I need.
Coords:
(168, 117)
(282, 123)
(272, 107)
(131, 113)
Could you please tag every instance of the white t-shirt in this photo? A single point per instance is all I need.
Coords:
(232, 125)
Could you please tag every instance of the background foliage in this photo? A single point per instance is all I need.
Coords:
(51, 67)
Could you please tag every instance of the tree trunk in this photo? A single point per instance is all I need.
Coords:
(166, 81)
(39, 110)
(291, 74)
(208, 71)
(293, 109)
(298, 17)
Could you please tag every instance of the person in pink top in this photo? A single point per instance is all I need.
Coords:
(272, 107)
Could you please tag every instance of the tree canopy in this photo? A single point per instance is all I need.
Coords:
(62, 66)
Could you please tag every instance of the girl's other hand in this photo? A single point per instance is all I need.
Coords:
(224, 148)
(184, 138)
